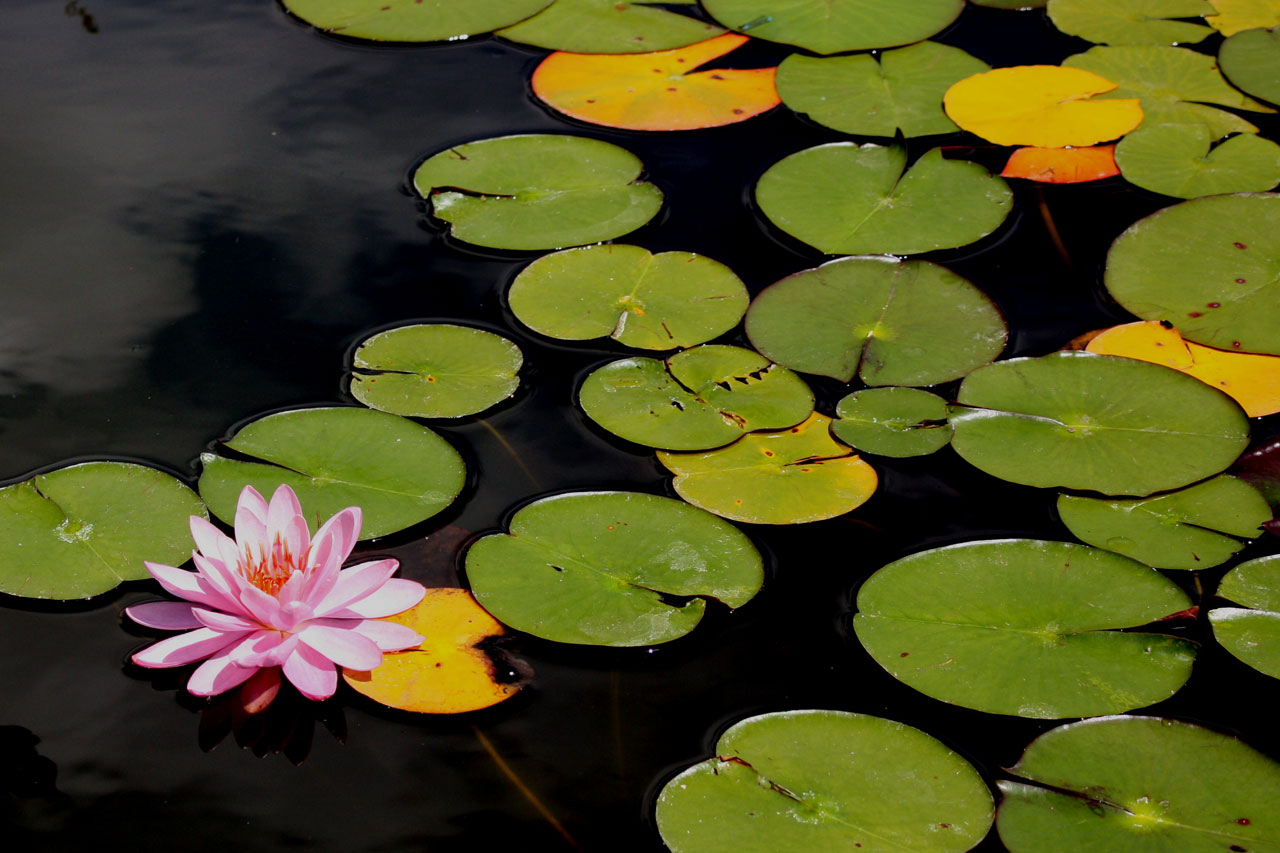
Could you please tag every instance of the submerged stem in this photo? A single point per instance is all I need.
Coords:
(524, 789)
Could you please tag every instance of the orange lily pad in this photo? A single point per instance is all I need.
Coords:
(1253, 380)
(448, 673)
(656, 91)
(1062, 165)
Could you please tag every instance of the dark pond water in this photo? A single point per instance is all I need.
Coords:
(204, 209)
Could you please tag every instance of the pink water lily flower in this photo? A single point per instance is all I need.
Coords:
(275, 597)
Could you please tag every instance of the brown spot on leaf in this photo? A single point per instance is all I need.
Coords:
(1194, 314)
(1240, 245)
(1213, 305)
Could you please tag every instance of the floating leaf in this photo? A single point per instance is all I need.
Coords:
(1025, 627)
(700, 398)
(1210, 266)
(888, 321)
(897, 90)
(1252, 632)
(396, 471)
(1253, 381)
(610, 26)
(825, 780)
(1131, 21)
(647, 301)
(1062, 165)
(79, 531)
(846, 199)
(413, 20)
(449, 672)
(1188, 529)
(1177, 160)
(1237, 15)
(1113, 425)
(893, 421)
(435, 370)
(836, 26)
(656, 91)
(1140, 783)
(1251, 60)
(611, 568)
(791, 476)
(537, 191)
(1040, 105)
(1020, 5)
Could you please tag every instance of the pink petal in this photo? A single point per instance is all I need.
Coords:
(293, 588)
(356, 583)
(251, 519)
(395, 596)
(337, 536)
(264, 608)
(260, 690)
(293, 614)
(389, 636)
(225, 622)
(218, 675)
(342, 646)
(297, 538)
(185, 648)
(189, 585)
(265, 648)
(208, 538)
(311, 672)
(280, 514)
(163, 615)
(222, 580)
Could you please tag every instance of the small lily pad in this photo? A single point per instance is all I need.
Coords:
(537, 191)
(1251, 60)
(700, 398)
(1095, 422)
(1193, 528)
(610, 26)
(893, 422)
(413, 20)
(397, 472)
(789, 476)
(898, 90)
(1180, 160)
(1131, 21)
(1026, 628)
(885, 320)
(836, 26)
(79, 531)
(1252, 632)
(643, 300)
(1062, 165)
(435, 370)
(1237, 15)
(825, 780)
(1140, 783)
(849, 199)
(611, 568)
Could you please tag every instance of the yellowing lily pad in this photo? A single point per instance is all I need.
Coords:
(1234, 16)
(611, 26)
(789, 476)
(1180, 160)
(1062, 165)
(893, 421)
(1131, 21)
(1252, 632)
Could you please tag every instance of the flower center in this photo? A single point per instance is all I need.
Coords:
(270, 569)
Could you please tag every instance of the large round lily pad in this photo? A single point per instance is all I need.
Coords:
(825, 780)
(396, 471)
(1140, 784)
(898, 90)
(887, 321)
(1251, 60)
(435, 370)
(1210, 266)
(1177, 160)
(610, 26)
(1095, 422)
(643, 300)
(789, 476)
(1251, 632)
(847, 199)
(611, 568)
(1193, 528)
(537, 191)
(1025, 627)
(1131, 21)
(700, 398)
(836, 26)
(893, 421)
(79, 531)
(413, 20)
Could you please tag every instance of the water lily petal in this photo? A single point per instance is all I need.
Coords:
(293, 614)
(296, 536)
(208, 538)
(218, 675)
(395, 596)
(224, 581)
(225, 622)
(163, 615)
(283, 508)
(356, 583)
(265, 648)
(337, 536)
(342, 646)
(264, 607)
(293, 589)
(389, 636)
(311, 672)
(188, 585)
(185, 648)
(251, 519)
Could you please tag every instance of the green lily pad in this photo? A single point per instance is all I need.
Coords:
(1210, 266)
(1019, 5)
(697, 399)
(893, 422)
(413, 20)
(836, 26)
(1193, 528)
(602, 568)
(397, 472)
(1026, 628)
(887, 321)
(1251, 60)
(789, 476)
(825, 780)
(1131, 21)
(1140, 784)
(849, 199)
(537, 191)
(1095, 422)
(435, 370)
(898, 90)
(79, 531)
(1252, 632)
(1174, 84)
(643, 300)
(609, 26)
(1177, 160)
